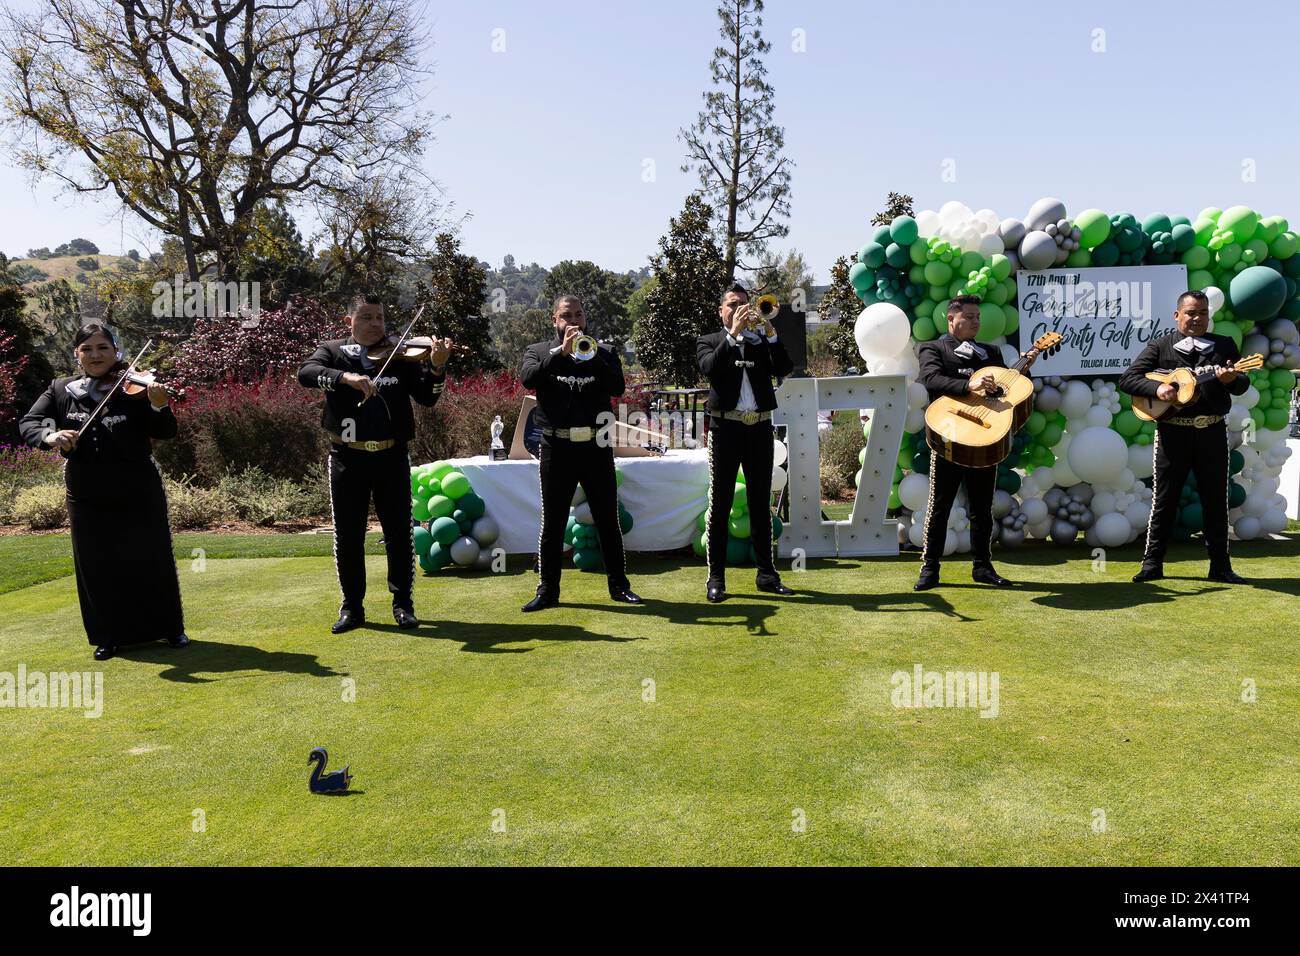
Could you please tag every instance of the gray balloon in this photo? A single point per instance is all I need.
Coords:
(464, 550)
(1037, 251)
(484, 560)
(1044, 211)
(1063, 532)
(1048, 400)
(1011, 538)
(1082, 492)
(1011, 231)
(485, 530)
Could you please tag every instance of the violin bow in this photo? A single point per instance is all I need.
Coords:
(112, 391)
(400, 339)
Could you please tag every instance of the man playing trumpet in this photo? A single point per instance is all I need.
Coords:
(740, 362)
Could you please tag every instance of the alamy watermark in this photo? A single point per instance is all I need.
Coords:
(921, 688)
(72, 691)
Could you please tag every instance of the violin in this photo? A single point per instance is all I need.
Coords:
(136, 382)
(417, 348)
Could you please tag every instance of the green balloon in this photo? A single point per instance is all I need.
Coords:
(861, 277)
(440, 506)
(1127, 424)
(1283, 246)
(439, 557)
(938, 273)
(1199, 279)
(739, 527)
(923, 329)
(737, 550)
(439, 468)
(897, 256)
(872, 255)
(1050, 435)
(1257, 293)
(699, 546)
(1105, 254)
(1001, 266)
(777, 527)
(454, 484)
(903, 230)
(1275, 419)
(1240, 221)
(423, 540)
(993, 322)
(587, 560)
(472, 505)
(1197, 257)
(444, 530)
(1282, 378)
(420, 509)
(1094, 226)
(1035, 423)
(917, 253)
(1079, 259)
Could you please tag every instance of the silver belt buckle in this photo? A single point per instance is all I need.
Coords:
(580, 434)
(372, 446)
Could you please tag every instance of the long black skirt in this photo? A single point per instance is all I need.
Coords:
(122, 550)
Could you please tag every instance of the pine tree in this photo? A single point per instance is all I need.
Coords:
(735, 146)
(689, 277)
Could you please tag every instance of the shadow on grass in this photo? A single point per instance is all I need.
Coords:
(214, 657)
(487, 638)
(733, 611)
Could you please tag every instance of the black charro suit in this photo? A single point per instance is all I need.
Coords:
(946, 372)
(728, 362)
(356, 474)
(575, 394)
(1180, 448)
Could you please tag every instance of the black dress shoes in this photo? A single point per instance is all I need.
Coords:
(180, 640)
(777, 588)
(405, 618)
(715, 593)
(540, 603)
(1148, 574)
(925, 582)
(104, 652)
(626, 597)
(1227, 576)
(989, 576)
(347, 621)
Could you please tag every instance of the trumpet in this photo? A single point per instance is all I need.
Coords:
(764, 310)
(584, 348)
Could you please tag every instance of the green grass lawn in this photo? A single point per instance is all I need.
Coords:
(1114, 698)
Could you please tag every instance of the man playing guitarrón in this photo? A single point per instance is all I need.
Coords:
(1193, 438)
(946, 366)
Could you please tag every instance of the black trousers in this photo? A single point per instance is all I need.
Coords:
(945, 478)
(734, 444)
(1178, 450)
(355, 477)
(564, 465)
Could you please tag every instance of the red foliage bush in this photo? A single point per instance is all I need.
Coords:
(225, 348)
(273, 424)
(459, 426)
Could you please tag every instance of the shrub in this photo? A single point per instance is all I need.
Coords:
(264, 499)
(459, 426)
(42, 506)
(234, 348)
(839, 455)
(22, 467)
(189, 506)
(273, 426)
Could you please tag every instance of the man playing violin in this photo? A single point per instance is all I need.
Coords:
(947, 363)
(369, 420)
(1195, 438)
(121, 540)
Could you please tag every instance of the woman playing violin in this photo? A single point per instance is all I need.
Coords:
(121, 541)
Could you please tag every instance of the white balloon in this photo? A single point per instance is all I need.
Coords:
(464, 551)
(1274, 521)
(915, 421)
(779, 452)
(1112, 530)
(1098, 455)
(778, 478)
(582, 513)
(1061, 472)
(916, 534)
(1141, 461)
(881, 331)
(579, 495)
(1138, 514)
(1248, 527)
(990, 245)
(927, 223)
(1103, 502)
(905, 363)
(914, 491)
(1249, 398)
(1076, 399)
(1215, 295)
(1255, 505)
(917, 395)
(1099, 416)
(950, 543)
(1045, 477)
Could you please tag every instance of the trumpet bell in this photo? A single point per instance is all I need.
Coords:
(767, 307)
(584, 348)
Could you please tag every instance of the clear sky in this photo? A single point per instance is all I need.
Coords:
(547, 142)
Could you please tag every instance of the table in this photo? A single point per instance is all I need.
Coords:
(665, 495)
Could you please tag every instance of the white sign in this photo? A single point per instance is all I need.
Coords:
(867, 531)
(1105, 316)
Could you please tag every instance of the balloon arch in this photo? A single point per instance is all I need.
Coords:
(1083, 462)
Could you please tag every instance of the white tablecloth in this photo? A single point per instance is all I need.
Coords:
(664, 494)
(1289, 481)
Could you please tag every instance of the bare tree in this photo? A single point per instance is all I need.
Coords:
(195, 111)
(735, 146)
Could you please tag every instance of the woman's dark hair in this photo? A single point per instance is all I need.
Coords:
(93, 328)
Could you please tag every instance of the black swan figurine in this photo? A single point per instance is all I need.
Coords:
(336, 781)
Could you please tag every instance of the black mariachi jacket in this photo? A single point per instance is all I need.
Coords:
(375, 420)
(944, 372)
(571, 394)
(724, 364)
(121, 432)
(1214, 398)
